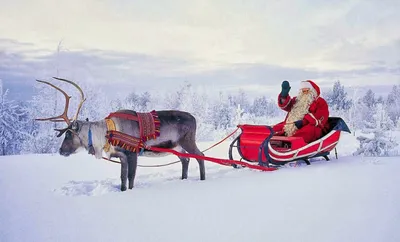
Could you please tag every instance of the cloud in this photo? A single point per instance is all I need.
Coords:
(119, 73)
(213, 34)
(227, 44)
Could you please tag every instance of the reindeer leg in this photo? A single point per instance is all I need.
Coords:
(132, 165)
(191, 147)
(124, 171)
(185, 165)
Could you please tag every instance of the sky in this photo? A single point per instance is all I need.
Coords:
(226, 44)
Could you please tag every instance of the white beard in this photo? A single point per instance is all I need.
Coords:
(299, 109)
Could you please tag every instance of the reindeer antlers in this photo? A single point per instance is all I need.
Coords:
(80, 90)
(64, 116)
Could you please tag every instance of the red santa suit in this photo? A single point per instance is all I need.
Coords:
(310, 108)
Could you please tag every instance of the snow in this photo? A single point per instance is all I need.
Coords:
(77, 198)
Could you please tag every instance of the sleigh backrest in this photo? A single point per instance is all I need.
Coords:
(337, 123)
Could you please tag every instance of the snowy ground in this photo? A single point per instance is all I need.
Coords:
(52, 198)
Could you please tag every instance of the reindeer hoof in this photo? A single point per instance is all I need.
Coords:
(123, 188)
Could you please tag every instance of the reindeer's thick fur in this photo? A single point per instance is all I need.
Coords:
(177, 131)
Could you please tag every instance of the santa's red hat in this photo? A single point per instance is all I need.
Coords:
(310, 84)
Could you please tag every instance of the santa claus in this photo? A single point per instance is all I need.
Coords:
(307, 112)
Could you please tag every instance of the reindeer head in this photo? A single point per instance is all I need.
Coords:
(72, 141)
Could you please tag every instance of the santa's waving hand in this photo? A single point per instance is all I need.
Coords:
(307, 112)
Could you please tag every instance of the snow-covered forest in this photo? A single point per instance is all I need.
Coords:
(373, 119)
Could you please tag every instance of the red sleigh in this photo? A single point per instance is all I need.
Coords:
(257, 143)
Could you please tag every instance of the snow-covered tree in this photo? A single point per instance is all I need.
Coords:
(178, 100)
(377, 140)
(46, 102)
(379, 144)
(241, 99)
(393, 103)
(42, 137)
(382, 118)
(337, 98)
(97, 105)
(12, 123)
(116, 104)
(138, 102)
(263, 107)
(16, 144)
(201, 110)
(380, 100)
(353, 115)
(238, 115)
(365, 108)
(397, 124)
(369, 99)
(222, 113)
(193, 100)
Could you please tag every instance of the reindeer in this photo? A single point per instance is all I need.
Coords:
(177, 131)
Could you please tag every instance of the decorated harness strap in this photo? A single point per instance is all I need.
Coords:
(149, 128)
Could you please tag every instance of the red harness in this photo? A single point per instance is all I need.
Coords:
(149, 128)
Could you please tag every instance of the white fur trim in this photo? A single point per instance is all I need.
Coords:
(316, 120)
(306, 84)
(287, 104)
